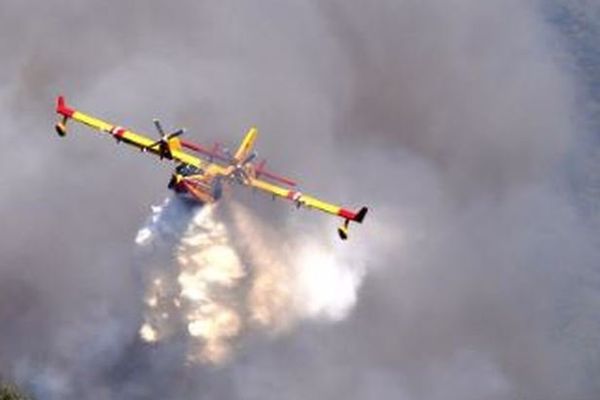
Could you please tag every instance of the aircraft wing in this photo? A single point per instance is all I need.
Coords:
(307, 201)
(123, 135)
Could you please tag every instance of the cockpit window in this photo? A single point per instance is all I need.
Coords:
(186, 170)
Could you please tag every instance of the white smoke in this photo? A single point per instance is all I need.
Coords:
(199, 282)
(325, 284)
(444, 116)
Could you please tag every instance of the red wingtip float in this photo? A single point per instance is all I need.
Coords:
(202, 178)
(66, 112)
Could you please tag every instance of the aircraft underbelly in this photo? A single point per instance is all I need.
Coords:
(205, 191)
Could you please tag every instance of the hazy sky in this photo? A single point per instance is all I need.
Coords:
(456, 121)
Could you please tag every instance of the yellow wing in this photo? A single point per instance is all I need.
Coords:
(124, 135)
(307, 201)
(301, 199)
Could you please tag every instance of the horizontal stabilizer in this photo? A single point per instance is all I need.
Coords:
(261, 171)
(213, 153)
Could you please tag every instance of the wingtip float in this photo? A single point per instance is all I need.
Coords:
(202, 177)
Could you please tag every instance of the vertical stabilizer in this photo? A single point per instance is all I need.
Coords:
(247, 144)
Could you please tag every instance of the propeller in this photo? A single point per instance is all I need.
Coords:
(163, 142)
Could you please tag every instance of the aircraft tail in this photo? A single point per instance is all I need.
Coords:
(245, 148)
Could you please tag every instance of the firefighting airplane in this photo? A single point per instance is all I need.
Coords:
(202, 178)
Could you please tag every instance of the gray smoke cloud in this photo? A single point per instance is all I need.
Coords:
(457, 122)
